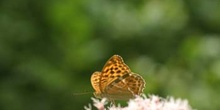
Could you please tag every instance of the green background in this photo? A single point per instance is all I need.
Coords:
(49, 49)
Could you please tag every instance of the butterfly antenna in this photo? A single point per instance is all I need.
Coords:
(82, 93)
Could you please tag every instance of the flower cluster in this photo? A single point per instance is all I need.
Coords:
(152, 102)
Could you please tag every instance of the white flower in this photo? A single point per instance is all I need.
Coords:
(152, 102)
(88, 108)
(100, 105)
(178, 104)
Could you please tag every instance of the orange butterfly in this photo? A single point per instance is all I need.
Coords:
(116, 81)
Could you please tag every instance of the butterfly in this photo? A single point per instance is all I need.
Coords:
(116, 81)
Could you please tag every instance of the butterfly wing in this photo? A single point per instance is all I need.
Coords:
(126, 87)
(95, 79)
(135, 83)
(115, 68)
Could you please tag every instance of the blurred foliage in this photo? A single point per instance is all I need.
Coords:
(49, 49)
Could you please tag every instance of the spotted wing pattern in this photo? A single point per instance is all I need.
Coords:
(95, 78)
(114, 69)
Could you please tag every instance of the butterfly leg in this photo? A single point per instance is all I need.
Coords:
(112, 103)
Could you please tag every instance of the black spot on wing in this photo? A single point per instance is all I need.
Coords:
(119, 71)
